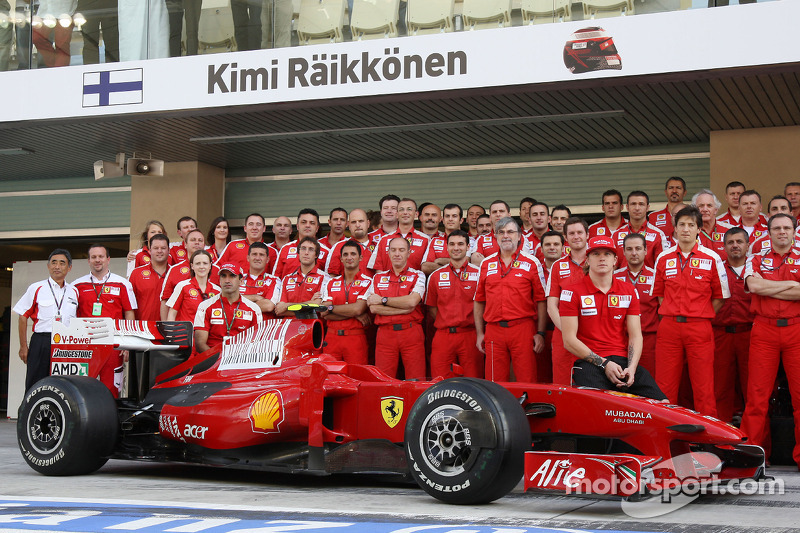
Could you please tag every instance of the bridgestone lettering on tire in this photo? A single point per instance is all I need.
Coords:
(67, 425)
(449, 453)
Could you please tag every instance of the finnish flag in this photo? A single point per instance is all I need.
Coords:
(112, 87)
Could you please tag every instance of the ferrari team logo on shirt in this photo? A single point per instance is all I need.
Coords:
(392, 410)
(695, 263)
(310, 279)
(621, 301)
(111, 290)
(402, 278)
(716, 236)
(642, 279)
(789, 261)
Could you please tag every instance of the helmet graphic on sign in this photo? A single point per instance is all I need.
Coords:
(591, 49)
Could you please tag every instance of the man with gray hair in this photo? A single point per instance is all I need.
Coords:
(509, 307)
(713, 231)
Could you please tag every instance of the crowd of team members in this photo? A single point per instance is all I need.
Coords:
(680, 292)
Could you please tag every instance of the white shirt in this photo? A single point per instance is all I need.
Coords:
(41, 303)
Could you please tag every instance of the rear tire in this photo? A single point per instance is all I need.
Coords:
(465, 441)
(67, 425)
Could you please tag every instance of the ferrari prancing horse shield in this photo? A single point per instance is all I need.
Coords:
(392, 410)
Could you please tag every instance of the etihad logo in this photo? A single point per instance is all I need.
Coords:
(266, 412)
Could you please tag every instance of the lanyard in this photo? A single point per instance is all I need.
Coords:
(508, 269)
(734, 272)
(462, 274)
(228, 326)
(680, 260)
(101, 286)
(58, 303)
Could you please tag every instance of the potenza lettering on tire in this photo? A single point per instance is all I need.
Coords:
(465, 441)
(67, 425)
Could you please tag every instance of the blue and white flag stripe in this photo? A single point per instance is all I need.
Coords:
(113, 87)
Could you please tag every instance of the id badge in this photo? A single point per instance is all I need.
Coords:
(97, 309)
(57, 318)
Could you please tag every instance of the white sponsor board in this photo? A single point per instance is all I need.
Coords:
(679, 41)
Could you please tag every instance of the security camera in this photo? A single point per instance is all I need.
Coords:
(145, 167)
(110, 169)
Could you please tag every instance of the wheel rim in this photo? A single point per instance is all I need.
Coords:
(444, 441)
(45, 426)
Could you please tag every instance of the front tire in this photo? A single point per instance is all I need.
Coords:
(67, 425)
(465, 441)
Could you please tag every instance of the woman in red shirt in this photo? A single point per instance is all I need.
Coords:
(189, 293)
(219, 235)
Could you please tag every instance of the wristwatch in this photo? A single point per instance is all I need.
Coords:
(384, 300)
(542, 333)
(330, 307)
(603, 364)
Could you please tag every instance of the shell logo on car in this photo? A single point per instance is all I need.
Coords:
(266, 412)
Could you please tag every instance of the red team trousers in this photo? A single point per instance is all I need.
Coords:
(507, 345)
(456, 347)
(769, 345)
(730, 361)
(562, 360)
(351, 347)
(690, 342)
(391, 344)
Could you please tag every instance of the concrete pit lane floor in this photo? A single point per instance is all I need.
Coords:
(155, 497)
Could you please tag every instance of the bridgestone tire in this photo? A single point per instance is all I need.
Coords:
(465, 441)
(67, 425)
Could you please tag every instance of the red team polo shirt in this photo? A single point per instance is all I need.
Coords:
(236, 252)
(564, 272)
(334, 266)
(374, 237)
(688, 285)
(452, 292)
(736, 309)
(773, 266)
(648, 304)
(337, 292)
(662, 219)
(602, 324)
(188, 296)
(437, 249)
(180, 272)
(265, 285)
(418, 245)
(515, 290)
(716, 240)
(298, 287)
(601, 229)
(222, 319)
(288, 262)
(389, 284)
(114, 294)
(147, 284)
(729, 219)
(656, 241)
(177, 253)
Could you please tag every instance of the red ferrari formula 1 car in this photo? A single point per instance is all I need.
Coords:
(270, 399)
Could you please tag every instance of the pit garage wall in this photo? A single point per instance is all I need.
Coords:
(577, 179)
(764, 159)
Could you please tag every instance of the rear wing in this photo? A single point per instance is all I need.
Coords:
(83, 347)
